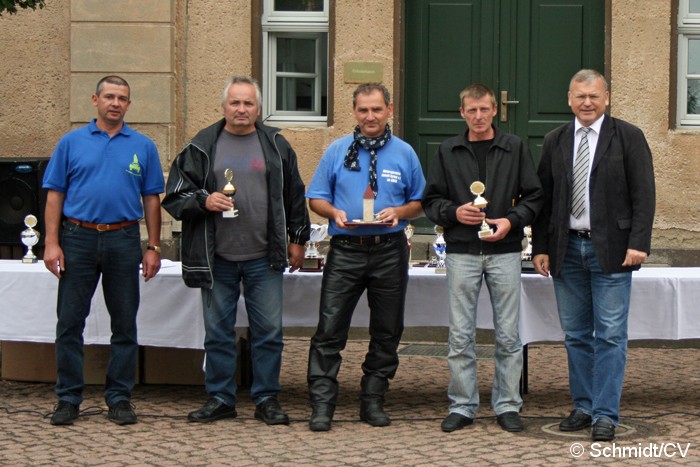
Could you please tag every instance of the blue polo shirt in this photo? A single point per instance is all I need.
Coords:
(399, 180)
(104, 178)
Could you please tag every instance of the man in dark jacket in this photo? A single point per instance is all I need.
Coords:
(594, 230)
(224, 247)
(483, 163)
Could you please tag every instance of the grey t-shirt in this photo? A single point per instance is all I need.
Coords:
(244, 237)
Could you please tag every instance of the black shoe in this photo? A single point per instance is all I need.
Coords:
(577, 420)
(454, 422)
(372, 412)
(510, 421)
(122, 413)
(270, 412)
(213, 410)
(603, 430)
(321, 418)
(65, 413)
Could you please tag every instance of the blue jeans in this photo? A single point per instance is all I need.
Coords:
(464, 277)
(262, 287)
(116, 257)
(593, 308)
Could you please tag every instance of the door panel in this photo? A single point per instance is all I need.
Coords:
(530, 48)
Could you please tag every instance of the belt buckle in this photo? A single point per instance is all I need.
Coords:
(102, 227)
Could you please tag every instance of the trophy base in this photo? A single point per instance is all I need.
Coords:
(440, 270)
(230, 214)
(30, 260)
(485, 233)
(312, 265)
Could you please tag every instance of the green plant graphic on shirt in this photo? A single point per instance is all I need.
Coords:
(135, 167)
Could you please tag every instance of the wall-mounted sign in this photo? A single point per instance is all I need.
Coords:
(362, 72)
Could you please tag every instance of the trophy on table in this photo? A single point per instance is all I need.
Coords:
(313, 259)
(409, 233)
(440, 247)
(30, 237)
(478, 188)
(230, 191)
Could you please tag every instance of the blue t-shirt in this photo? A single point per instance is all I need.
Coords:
(399, 180)
(104, 178)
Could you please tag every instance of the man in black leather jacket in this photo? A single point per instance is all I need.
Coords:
(220, 252)
(483, 156)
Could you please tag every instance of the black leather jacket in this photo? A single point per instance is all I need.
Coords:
(512, 190)
(190, 182)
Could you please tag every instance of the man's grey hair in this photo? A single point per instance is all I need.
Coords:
(587, 76)
(242, 80)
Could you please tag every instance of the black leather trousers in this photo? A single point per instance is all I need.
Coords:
(382, 270)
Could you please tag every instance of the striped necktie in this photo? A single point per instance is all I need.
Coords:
(578, 197)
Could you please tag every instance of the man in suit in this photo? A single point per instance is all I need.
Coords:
(593, 231)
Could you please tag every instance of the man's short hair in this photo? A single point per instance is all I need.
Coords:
(587, 76)
(477, 91)
(242, 80)
(111, 79)
(369, 88)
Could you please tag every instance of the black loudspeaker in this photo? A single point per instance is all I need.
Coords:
(21, 194)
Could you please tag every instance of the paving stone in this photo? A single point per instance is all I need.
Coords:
(660, 400)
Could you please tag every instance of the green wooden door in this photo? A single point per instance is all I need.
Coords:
(525, 49)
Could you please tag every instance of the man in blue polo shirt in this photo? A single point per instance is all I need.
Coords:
(101, 180)
(370, 163)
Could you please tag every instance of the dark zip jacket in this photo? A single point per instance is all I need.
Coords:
(513, 191)
(190, 182)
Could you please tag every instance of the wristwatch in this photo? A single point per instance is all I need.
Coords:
(155, 248)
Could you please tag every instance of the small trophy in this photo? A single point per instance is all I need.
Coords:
(477, 188)
(313, 260)
(30, 237)
(409, 233)
(229, 190)
(440, 248)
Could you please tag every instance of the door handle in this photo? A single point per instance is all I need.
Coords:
(504, 105)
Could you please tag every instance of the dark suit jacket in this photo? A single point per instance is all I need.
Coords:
(621, 190)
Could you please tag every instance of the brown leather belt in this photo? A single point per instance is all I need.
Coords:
(102, 227)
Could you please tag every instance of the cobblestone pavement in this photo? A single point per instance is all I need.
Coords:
(661, 404)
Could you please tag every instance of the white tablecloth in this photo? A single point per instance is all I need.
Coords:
(664, 306)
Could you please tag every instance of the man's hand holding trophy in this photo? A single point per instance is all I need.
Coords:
(230, 191)
(478, 188)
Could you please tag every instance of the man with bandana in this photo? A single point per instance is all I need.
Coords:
(371, 162)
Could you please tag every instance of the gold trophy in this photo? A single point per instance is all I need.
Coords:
(230, 191)
(478, 188)
(30, 237)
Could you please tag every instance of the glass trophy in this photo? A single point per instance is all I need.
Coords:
(478, 188)
(313, 259)
(230, 191)
(440, 248)
(30, 237)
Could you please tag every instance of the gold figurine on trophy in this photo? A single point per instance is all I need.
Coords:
(230, 191)
(478, 188)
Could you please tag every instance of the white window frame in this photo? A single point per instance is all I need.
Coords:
(688, 29)
(296, 25)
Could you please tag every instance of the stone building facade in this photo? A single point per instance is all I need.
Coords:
(177, 54)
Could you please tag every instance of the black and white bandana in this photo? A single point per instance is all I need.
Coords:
(352, 161)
